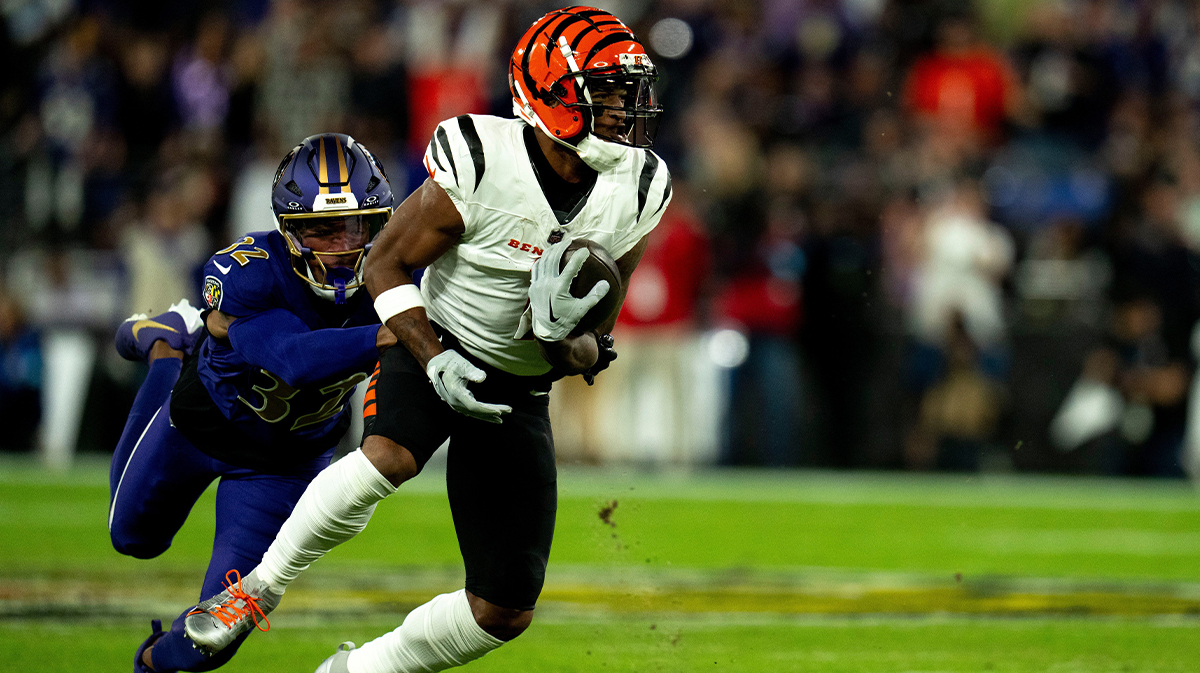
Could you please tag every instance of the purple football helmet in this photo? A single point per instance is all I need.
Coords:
(330, 197)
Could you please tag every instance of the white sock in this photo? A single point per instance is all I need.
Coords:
(335, 507)
(438, 635)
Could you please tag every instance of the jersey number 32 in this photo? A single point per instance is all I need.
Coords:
(281, 401)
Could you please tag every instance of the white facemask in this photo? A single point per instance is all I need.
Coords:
(601, 155)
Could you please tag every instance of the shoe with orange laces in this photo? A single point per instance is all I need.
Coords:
(218, 621)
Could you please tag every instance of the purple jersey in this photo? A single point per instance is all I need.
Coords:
(283, 376)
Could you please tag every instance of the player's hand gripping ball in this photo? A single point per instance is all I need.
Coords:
(608, 353)
(598, 266)
(575, 287)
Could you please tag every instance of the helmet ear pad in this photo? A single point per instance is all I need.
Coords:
(557, 106)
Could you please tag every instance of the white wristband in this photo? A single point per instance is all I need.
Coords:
(397, 300)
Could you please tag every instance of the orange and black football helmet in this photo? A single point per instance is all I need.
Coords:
(576, 65)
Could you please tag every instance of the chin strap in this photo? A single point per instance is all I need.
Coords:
(601, 155)
(339, 277)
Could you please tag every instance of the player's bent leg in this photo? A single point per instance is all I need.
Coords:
(440, 634)
(502, 486)
(393, 461)
(502, 623)
(151, 397)
(154, 488)
(335, 507)
(250, 508)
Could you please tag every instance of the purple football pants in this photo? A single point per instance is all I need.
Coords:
(156, 478)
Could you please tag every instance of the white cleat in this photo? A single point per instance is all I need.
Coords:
(218, 621)
(338, 662)
(192, 317)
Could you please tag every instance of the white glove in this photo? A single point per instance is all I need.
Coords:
(555, 311)
(450, 371)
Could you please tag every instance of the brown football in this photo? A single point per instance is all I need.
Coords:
(599, 266)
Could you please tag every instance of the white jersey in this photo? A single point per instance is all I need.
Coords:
(479, 289)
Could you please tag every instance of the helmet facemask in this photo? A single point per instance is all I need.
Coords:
(619, 101)
(624, 109)
(328, 248)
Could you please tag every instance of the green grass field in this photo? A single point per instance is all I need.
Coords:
(729, 571)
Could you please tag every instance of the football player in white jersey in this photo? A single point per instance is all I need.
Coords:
(503, 200)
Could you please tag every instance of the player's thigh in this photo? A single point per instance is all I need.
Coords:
(502, 484)
(156, 489)
(251, 508)
(407, 410)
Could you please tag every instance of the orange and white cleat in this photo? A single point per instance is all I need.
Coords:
(243, 605)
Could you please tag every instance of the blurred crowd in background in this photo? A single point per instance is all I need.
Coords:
(917, 234)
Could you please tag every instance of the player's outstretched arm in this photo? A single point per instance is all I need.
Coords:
(422, 229)
(278, 341)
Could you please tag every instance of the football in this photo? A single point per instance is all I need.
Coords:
(599, 266)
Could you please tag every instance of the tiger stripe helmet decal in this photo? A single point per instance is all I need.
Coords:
(562, 59)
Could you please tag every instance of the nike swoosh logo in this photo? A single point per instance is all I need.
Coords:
(552, 318)
(137, 326)
(222, 269)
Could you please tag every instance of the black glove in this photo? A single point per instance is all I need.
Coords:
(607, 355)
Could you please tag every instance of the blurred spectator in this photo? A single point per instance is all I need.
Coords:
(201, 79)
(959, 413)
(164, 250)
(1139, 429)
(242, 126)
(964, 88)
(1071, 77)
(306, 87)
(379, 94)
(146, 111)
(77, 100)
(1062, 277)
(649, 397)
(20, 377)
(959, 354)
(760, 296)
(453, 52)
(964, 258)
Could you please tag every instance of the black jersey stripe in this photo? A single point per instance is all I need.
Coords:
(436, 159)
(666, 194)
(445, 141)
(467, 125)
(648, 170)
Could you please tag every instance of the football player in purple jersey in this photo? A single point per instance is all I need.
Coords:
(253, 390)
